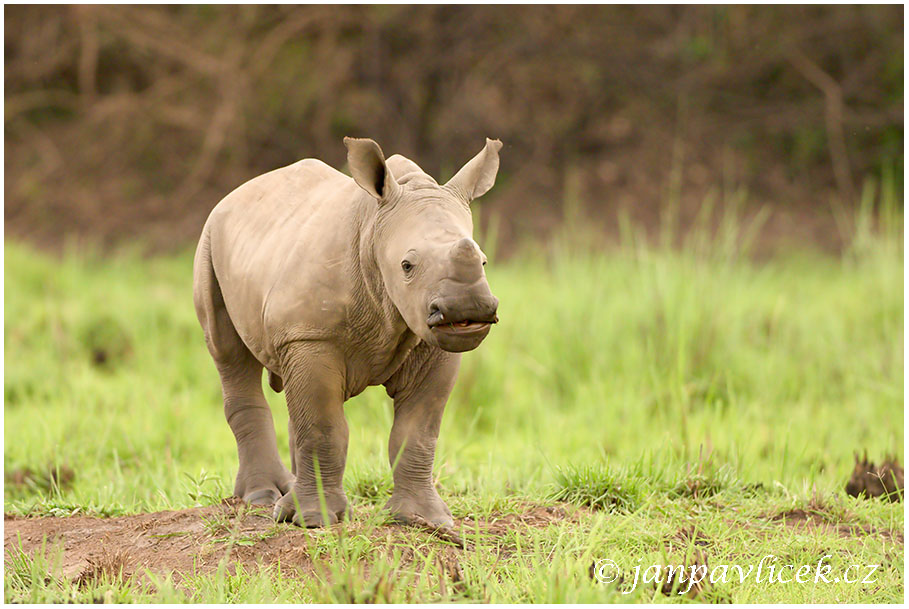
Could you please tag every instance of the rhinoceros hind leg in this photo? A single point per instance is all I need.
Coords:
(426, 509)
(261, 478)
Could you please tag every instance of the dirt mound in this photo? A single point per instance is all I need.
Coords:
(196, 540)
(49, 477)
(870, 481)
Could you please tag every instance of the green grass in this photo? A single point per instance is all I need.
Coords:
(664, 389)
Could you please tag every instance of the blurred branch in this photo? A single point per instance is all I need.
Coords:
(88, 51)
(231, 89)
(141, 28)
(276, 38)
(17, 104)
(45, 49)
(171, 107)
(833, 113)
(51, 159)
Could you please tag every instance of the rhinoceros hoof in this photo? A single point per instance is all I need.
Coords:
(428, 509)
(308, 512)
(263, 489)
(263, 496)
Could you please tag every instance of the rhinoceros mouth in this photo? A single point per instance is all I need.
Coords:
(460, 334)
(462, 327)
(437, 320)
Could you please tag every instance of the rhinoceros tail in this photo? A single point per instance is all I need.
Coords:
(224, 343)
(275, 382)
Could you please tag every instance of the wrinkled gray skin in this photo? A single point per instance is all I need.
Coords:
(334, 284)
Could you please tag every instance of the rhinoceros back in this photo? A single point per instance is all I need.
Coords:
(272, 243)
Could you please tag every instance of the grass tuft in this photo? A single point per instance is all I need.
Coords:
(601, 487)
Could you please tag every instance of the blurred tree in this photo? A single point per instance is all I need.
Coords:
(126, 121)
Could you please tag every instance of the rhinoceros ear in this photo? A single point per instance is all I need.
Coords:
(368, 168)
(479, 174)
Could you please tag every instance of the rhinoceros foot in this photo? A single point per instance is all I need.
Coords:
(420, 508)
(307, 512)
(263, 488)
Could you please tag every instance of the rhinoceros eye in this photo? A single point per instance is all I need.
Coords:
(407, 266)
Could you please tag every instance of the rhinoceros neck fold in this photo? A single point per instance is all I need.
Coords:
(374, 294)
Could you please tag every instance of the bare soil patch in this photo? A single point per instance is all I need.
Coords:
(535, 516)
(196, 540)
(810, 519)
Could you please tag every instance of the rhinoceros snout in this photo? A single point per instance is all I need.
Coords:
(461, 323)
(482, 309)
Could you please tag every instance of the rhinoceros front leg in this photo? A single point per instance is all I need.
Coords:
(314, 385)
(419, 405)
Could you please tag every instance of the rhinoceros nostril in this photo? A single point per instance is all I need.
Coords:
(436, 316)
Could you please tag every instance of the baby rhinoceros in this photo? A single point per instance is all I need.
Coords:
(334, 284)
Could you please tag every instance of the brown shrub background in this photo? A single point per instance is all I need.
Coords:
(131, 122)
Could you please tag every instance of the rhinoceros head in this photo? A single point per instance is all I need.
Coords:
(431, 266)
